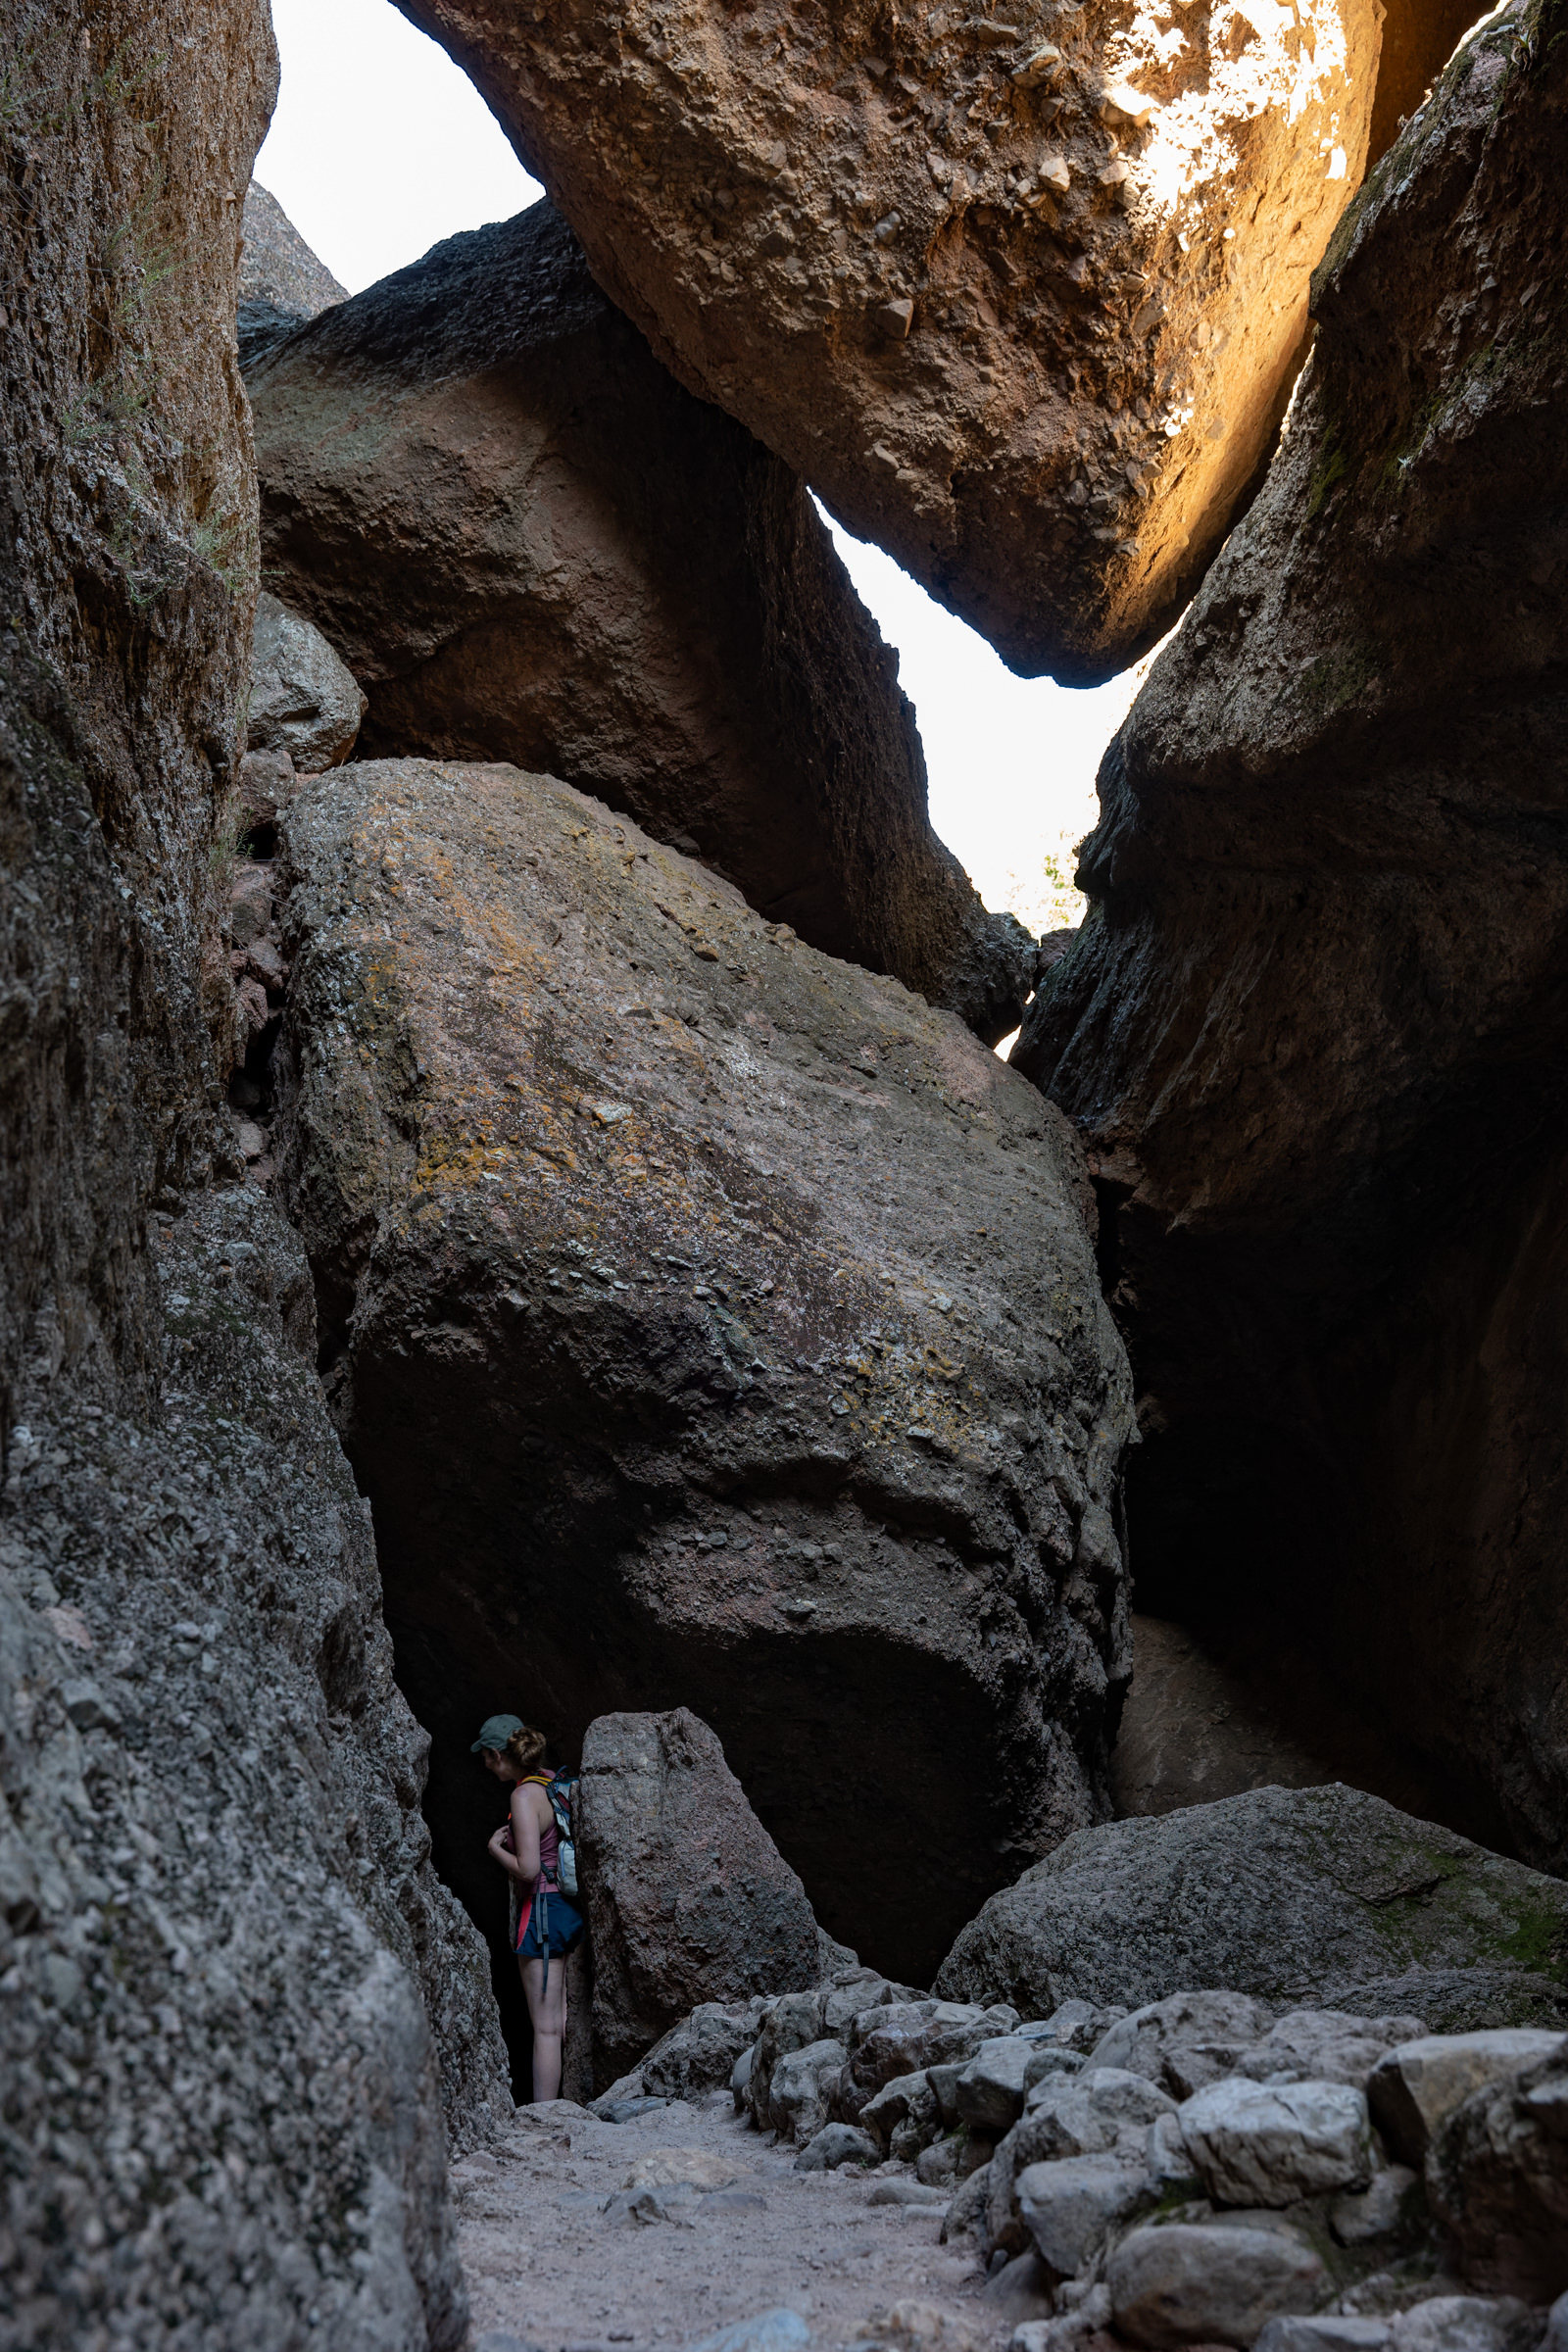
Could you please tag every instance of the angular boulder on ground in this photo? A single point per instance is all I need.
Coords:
(1313, 1028)
(529, 543)
(1266, 2143)
(1286, 1894)
(1195, 2284)
(1498, 2178)
(709, 1324)
(688, 1898)
(1021, 295)
(1417, 2085)
(1102, 2113)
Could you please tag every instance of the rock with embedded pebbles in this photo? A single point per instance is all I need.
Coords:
(530, 543)
(1418, 2085)
(688, 1898)
(704, 1318)
(1204, 2284)
(1019, 293)
(1268, 2144)
(1286, 1894)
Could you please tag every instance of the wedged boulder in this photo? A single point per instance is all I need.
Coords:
(303, 700)
(1313, 1029)
(1070, 2206)
(799, 2090)
(709, 1324)
(530, 543)
(1019, 294)
(689, 1901)
(1288, 1895)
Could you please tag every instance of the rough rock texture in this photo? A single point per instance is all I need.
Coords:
(1267, 2144)
(1418, 2086)
(1020, 293)
(1288, 1894)
(529, 543)
(1195, 1730)
(1104, 2111)
(1188, 2284)
(711, 1324)
(302, 700)
(688, 1898)
(282, 282)
(126, 577)
(218, 2084)
(276, 266)
(1313, 1027)
(1497, 2176)
(221, 2102)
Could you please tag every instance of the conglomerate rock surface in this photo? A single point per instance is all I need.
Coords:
(711, 1324)
(1313, 1029)
(237, 1999)
(222, 1946)
(530, 543)
(1021, 292)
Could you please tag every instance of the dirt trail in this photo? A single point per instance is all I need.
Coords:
(547, 2265)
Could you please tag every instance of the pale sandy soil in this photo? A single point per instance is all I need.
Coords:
(545, 2264)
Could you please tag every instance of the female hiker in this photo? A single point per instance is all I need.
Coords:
(544, 1923)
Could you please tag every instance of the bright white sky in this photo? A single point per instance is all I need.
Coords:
(381, 147)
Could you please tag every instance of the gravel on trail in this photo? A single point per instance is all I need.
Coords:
(548, 2264)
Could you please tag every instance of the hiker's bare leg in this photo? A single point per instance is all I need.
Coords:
(547, 2006)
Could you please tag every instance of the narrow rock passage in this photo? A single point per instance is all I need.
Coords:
(547, 2264)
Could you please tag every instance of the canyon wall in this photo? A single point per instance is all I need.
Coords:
(237, 2001)
(1314, 1031)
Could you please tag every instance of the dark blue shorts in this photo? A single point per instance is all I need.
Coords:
(565, 1925)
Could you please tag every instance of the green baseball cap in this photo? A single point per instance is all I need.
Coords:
(495, 1732)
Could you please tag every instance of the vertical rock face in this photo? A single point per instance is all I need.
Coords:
(688, 1898)
(222, 2091)
(222, 2105)
(531, 544)
(1314, 1030)
(1020, 293)
(711, 1323)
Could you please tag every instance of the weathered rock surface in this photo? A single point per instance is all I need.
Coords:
(1325, 2045)
(304, 701)
(1194, 1729)
(281, 281)
(1185, 2041)
(688, 1898)
(217, 1915)
(709, 1322)
(529, 543)
(1070, 2206)
(1286, 1894)
(698, 2054)
(1417, 2086)
(1498, 2178)
(1020, 295)
(1267, 2144)
(1102, 2113)
(1313, 1028)
(1195, 2284)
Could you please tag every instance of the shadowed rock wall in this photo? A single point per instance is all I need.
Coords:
(529, 543)
(228, 1969)
(1315, 1028)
